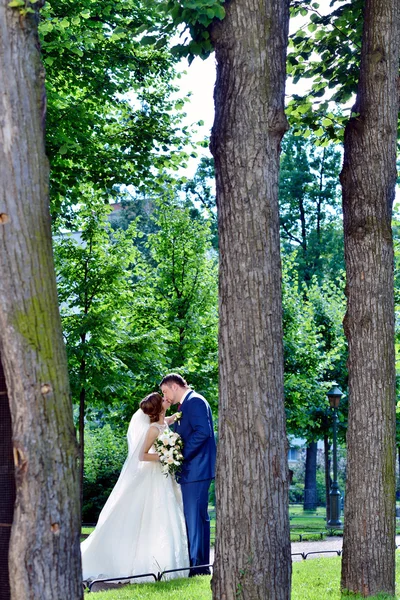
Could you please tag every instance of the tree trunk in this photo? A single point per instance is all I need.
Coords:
(398, 458)
(252, 541)
(310, 479)
(320, 199)
(368, 180)
(44, 555)
(7, 486)
(327, 462)
(82, 405)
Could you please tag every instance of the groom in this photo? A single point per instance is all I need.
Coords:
(196, 430)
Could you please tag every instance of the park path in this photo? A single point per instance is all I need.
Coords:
(323, 548)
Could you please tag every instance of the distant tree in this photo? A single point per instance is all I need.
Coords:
(315, 355)
(94, 269)
(310, 477)
(314, 350)
(201, 190)
(183, 292)
(309, 197)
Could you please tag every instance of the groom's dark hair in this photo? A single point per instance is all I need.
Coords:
(174, 378)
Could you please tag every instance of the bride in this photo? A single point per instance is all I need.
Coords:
(141, 528)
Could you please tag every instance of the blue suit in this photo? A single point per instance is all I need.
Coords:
(199, 450)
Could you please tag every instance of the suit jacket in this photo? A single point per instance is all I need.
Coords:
(197, 432)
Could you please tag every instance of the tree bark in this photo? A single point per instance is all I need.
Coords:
(82, 407)
(310, 478)
(252, 541)
(398, 459)
(7, 486)
(327, 462)
(44, 555)
(368, 180)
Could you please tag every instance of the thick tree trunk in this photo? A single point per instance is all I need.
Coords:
(310, 478)
(368, 180)
(44, 557)
(252, 542)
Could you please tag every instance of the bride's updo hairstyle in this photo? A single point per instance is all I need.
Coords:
(152, 406)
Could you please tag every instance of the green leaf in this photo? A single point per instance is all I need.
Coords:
(304, 108)
(148, 40)
(219, 12)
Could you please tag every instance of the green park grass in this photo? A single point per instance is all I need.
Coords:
(316, 579)
(195, 588)
(313, 579)
(311, 525)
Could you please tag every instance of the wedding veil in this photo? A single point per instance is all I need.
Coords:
(136, 435)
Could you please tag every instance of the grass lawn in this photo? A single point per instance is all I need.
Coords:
(195, 588)
(309, 525)
(316, 579)
(319, 579)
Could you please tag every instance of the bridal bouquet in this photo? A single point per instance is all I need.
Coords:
(169, 448)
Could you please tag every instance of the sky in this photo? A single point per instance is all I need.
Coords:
(200, 79)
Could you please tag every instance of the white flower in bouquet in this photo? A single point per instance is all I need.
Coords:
(169, 448)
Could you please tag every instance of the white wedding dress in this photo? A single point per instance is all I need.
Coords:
(141, 528)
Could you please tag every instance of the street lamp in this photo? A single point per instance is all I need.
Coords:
(334, 396)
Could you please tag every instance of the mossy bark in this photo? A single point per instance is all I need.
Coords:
(44, 555)
(252, 541)
(368, 180)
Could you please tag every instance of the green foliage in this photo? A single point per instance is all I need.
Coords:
(111, 117)
(201, 189)
(24, 7)
(326, 51)
(197, 16)
(314, 352)
(105, 453)
(309, 198)
(313, 275)
(183, 292)
(95, 292)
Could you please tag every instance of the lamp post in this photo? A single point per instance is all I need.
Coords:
(334, 396)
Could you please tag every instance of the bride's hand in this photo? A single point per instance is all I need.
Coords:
(175, 417)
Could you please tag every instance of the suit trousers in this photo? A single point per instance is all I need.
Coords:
(195, 506)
